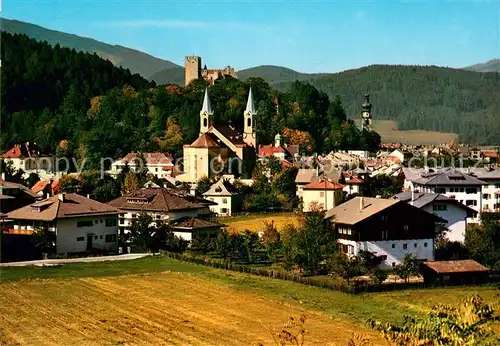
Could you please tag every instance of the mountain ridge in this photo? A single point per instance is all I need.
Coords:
(133, 59)
(492, 65)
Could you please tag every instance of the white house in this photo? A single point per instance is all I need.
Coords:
(226, 195)
(304, 177)
(449, 209)
(80, 224)
(30, 158)
(449, 182)
(490, 193)
(321, 193)
(386, 227)
(169, 205)
(160, 165)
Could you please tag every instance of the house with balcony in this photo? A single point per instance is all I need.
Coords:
(490, 193)
(166, 205)
(388, 228)
(449, 182)
(79, 223)
(455, 213)
(226, 195)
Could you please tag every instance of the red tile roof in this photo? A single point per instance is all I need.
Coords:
(460, 266)
(42, 184)
(323, 184)
(490, 154)
(24, 150)
(205, 141)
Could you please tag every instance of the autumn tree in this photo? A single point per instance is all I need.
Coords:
(463, 325)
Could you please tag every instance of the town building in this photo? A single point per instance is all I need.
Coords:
(160, 165)
(80, 224)
(226, 195)
(44, 188)
(446, 181)
(279, 150)
(490, 193)
(193, 70)
(14, 196)
(166, 205)
(29, 158)
(386, 227)
(449, 209)
(321, 193)
(220, 148)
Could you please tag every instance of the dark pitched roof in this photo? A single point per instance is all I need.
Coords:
(4, 184)
(440, 176)
(159, 199)
(459, 266)
(222, 188)
(193, 223)
(61, 206)
(230, 133)
(421, 199)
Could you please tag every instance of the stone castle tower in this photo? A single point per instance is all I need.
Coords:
(192, 68)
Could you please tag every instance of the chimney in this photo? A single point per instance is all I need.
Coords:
(47, 195)
(412, 196)
(361, 203)
(88, 195)
(3, 175)
(61, 197)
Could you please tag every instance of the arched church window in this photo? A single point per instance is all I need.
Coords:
(205, 122)
(249, 122)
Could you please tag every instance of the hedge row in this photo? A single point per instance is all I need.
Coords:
(266, 272)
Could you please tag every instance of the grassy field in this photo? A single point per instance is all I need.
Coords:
(256, 222)
(389, 132)
(162, 301)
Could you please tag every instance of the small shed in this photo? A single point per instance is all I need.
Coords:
(459, 272)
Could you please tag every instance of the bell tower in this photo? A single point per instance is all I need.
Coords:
(366, 114)
(206, 114)
(249, 135)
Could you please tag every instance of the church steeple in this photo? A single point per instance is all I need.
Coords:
(206, 114)
(249, 135)
(366, 115)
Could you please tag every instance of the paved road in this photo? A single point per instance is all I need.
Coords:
(51, 262)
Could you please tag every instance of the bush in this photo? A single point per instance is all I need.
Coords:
(378, 275)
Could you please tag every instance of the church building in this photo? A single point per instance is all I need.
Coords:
(220, 149)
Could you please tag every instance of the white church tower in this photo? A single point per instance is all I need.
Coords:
(205, 114)
(249, 135)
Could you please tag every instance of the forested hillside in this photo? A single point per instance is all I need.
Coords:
(79, 105)
(136, 61)
(428, 98)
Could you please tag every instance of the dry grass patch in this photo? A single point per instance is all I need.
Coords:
(162, 308)
(257, 224)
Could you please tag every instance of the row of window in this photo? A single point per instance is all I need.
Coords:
(108, 238)
(343, 230)
(405, 246)
(468, 190)
(90, 223)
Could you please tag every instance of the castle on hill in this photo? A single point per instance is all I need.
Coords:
(220, 143)
(193, 70)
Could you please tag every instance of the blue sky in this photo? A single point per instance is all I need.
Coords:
(308, 36)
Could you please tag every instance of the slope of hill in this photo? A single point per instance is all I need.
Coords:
(136, 61)
(277, 74)
(173, 75)
(422, 97)
(489, 66)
